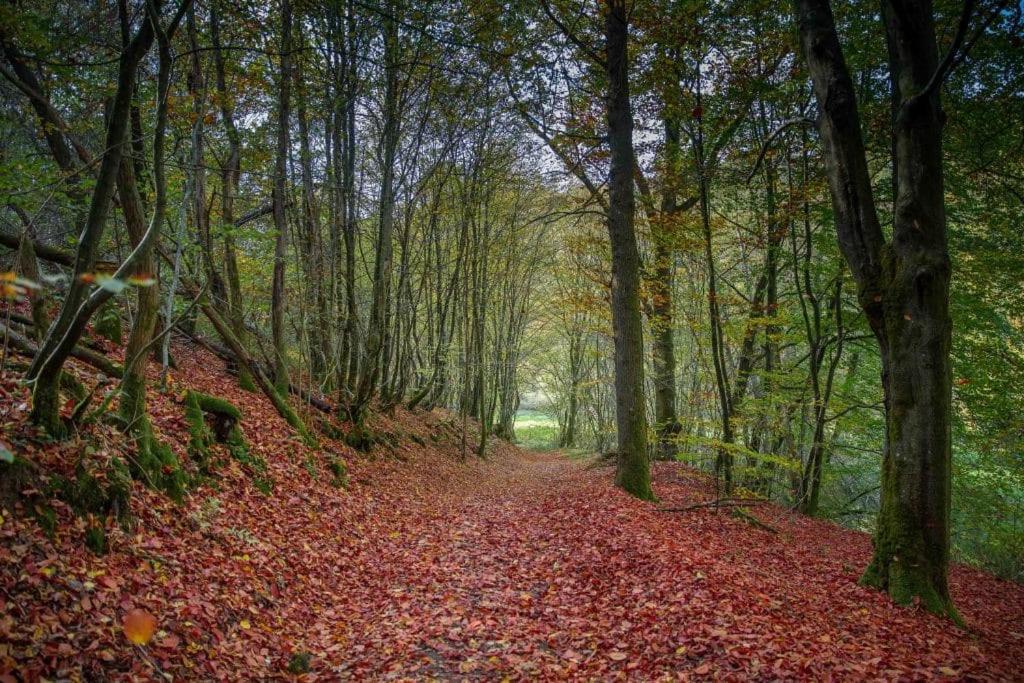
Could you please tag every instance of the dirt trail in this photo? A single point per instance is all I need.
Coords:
(532, 565)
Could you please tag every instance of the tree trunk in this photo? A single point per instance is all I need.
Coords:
(28, 268)
(633, 469)
(666, 419)
(376, 328)
(280, 200)
(311, 243)
(903, 287)
(133, 383)
(65, 331)
(230, 174)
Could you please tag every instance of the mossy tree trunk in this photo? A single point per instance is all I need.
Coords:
(46, 366)
(903, 284)
(265, 385)
(133, 382)
(80, 305)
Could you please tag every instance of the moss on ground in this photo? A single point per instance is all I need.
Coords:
(339, 472)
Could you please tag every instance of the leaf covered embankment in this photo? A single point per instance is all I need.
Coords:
(523, 564)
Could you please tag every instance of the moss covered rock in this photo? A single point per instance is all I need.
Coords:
(156, 465)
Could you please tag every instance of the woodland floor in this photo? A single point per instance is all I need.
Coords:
(524, 565)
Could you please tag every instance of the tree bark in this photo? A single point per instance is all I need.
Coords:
(230, 175)
(632, 471)
(280, 200)
(377, 326)
(903, 287)
(666, 419)
(79, 305)
(133, 384)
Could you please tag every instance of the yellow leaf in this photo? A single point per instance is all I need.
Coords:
(244, 623)
(47, 571)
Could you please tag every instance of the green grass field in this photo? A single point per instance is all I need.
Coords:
(536, 430)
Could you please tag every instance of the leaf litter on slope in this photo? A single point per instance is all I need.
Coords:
(522, 565)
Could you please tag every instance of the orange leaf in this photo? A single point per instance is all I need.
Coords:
(139, 626)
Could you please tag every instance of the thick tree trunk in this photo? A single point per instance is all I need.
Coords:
(633, 469)
(903, 287)
(912, 542)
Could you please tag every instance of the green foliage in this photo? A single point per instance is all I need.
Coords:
(107, 322)
(200, 436)
(246, 382)
(91, 492)
(339, 472)
(96, 539)
(156, 465)
(309, 464)
(255, 465)
(300, 663)
(46, 517)
(360, 438)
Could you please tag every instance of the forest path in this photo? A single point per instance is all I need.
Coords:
(532, 565)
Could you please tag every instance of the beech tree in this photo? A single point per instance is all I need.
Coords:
(902, 282)
(632, 472)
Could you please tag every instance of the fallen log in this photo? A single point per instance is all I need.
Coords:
(742, 514)
(728, 502)
(225, 354)
(47, 253)
(87, 356)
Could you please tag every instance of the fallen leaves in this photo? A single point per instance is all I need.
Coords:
(524, 566)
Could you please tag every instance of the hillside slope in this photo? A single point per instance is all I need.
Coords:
(524, 565)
